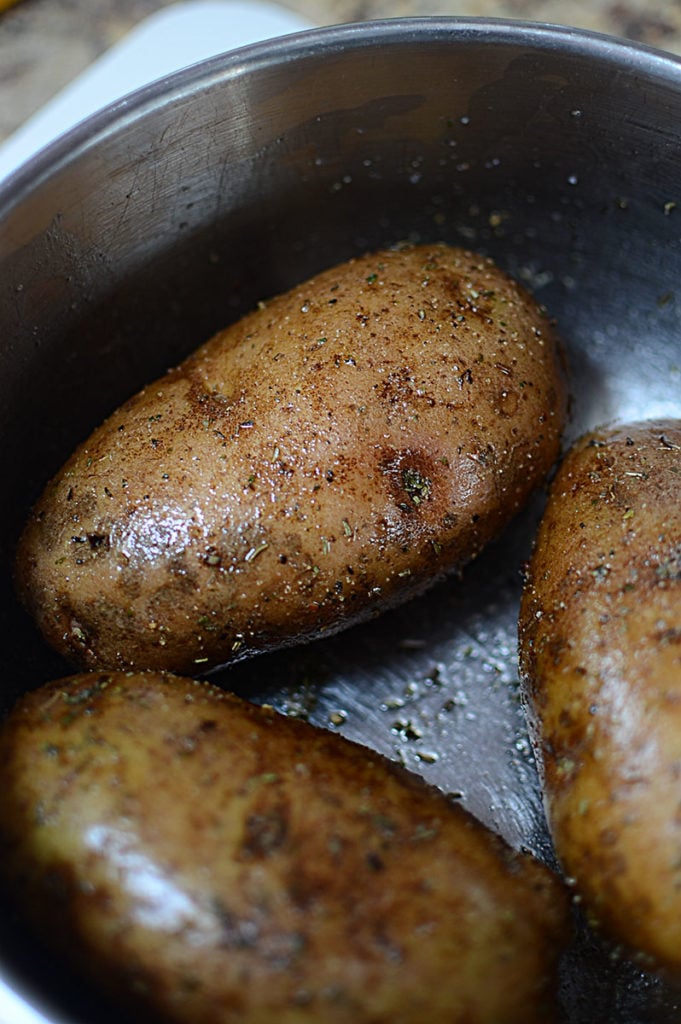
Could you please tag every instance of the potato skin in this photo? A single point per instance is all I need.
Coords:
(213, 861)
(600, 648)
(332, 454)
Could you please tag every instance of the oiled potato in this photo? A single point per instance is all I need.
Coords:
(216, 862)
(332, 453)
(600, 637)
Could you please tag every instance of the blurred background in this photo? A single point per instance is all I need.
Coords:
(45, 44)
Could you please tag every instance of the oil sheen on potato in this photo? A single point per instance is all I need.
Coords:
(331, 454)
(207, 860)
(600, 642)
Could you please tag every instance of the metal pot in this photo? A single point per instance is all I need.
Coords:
(129, 241)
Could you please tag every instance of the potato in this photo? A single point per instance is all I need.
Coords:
(600, 641)
(333, 453)
(213, 861)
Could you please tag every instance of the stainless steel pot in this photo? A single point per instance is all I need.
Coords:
(128, 242)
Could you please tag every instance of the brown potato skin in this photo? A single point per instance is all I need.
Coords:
(212, 861)
(331, 454)
(600, 650)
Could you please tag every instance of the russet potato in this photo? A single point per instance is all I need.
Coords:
(600, 647)
(207, 860)
(331, 454)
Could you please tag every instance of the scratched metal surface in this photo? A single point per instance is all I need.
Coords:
(556, 153)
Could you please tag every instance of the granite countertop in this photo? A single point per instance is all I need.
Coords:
(46, 43)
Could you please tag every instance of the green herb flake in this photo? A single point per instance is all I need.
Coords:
(264, 779)
(416, 485)
(254, 552)
(425, 832)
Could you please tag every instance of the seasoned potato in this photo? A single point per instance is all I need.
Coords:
(600, 641)
(331, 454)
(213, 861)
